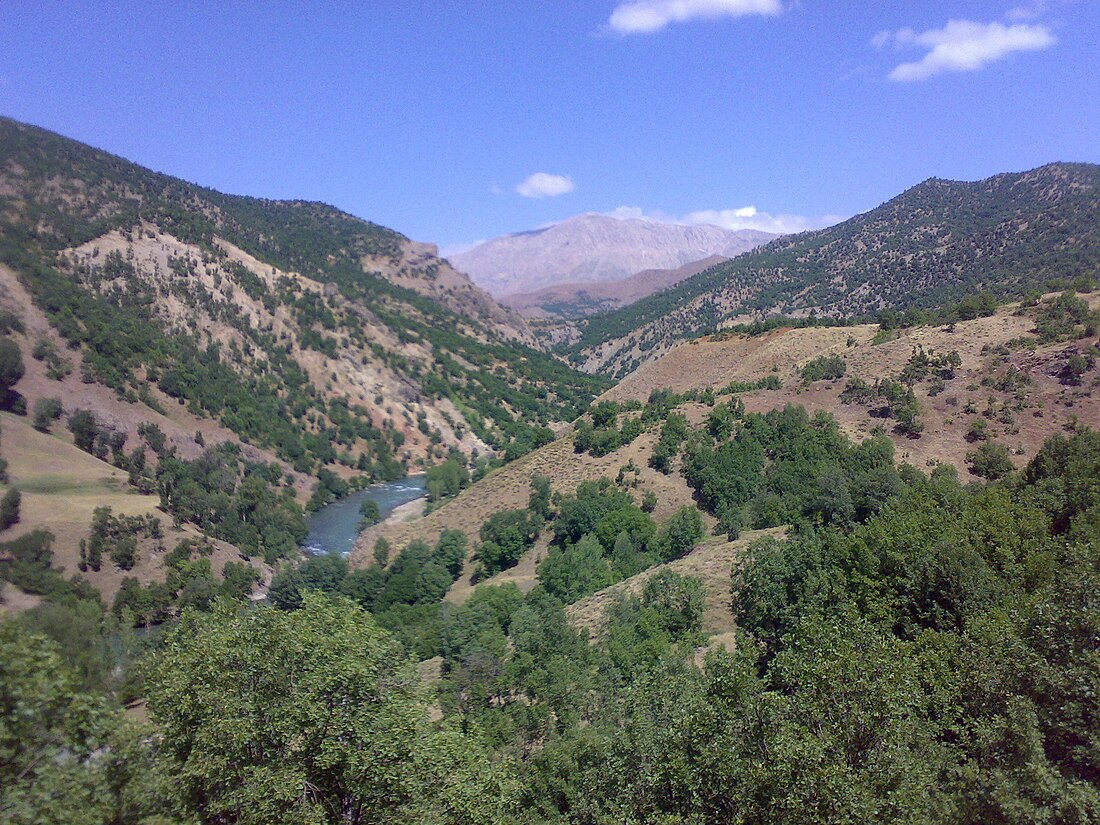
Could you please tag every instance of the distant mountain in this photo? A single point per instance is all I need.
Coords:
(595, 248)
(577, 300)
(1010, 233)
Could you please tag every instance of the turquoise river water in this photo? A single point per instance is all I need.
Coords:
(333, 528)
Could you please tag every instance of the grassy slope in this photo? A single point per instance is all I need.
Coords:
(62, 486)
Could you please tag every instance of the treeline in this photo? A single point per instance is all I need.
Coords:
(232, 499)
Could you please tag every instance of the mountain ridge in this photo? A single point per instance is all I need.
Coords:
(929, 245)
(242, 358)
(595, 248)
(570, 301)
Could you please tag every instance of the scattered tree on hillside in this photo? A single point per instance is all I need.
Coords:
(9, 508)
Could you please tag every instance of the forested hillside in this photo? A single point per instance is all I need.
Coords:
(238, 359)
(211, 296)
(926, 248)
(916, 650)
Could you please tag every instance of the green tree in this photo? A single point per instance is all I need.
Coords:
(9, 508)
(990, 460)
(46, 411)
(450, 551)
(65, 755)
(631, 520)
(11, 364)
(539, 501)
(311, 716)
(369, 512)
(680, 533)
(505, 536)
(85, 428)
(573, 573)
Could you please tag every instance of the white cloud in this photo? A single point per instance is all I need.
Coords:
(962, 46)
(648, 16)
(880, 40)
(545, 185)
(1028, 11)
(743, 217)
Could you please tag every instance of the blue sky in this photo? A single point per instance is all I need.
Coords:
(432, 117)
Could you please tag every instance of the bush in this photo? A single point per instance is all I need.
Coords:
(505, 537)
(9, 508)
(369, 513)
(11, 364)
(46, 411)
(85, 428)
(576, 572)
(824, 368)
(990, 461)
(680, 533)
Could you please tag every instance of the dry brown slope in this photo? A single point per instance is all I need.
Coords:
(1049, 406)
(179, 425)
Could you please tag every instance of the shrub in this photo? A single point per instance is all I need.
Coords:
(46, 411)
(369, 512)
(9, 508)
(990, 461)
(824, 368)
(680, 533)
(11, 364)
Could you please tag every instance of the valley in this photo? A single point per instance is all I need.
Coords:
(808, 526)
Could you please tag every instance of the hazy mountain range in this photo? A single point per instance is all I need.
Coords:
(578, 299)
(1009, 234)
(595, 249)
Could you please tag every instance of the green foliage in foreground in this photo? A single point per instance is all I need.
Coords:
(66, 755)
(936, 664)
(310, 716)
(933, 662)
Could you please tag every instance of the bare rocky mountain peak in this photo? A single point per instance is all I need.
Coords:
(596, 249)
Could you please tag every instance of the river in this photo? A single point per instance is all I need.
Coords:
(333, 528)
